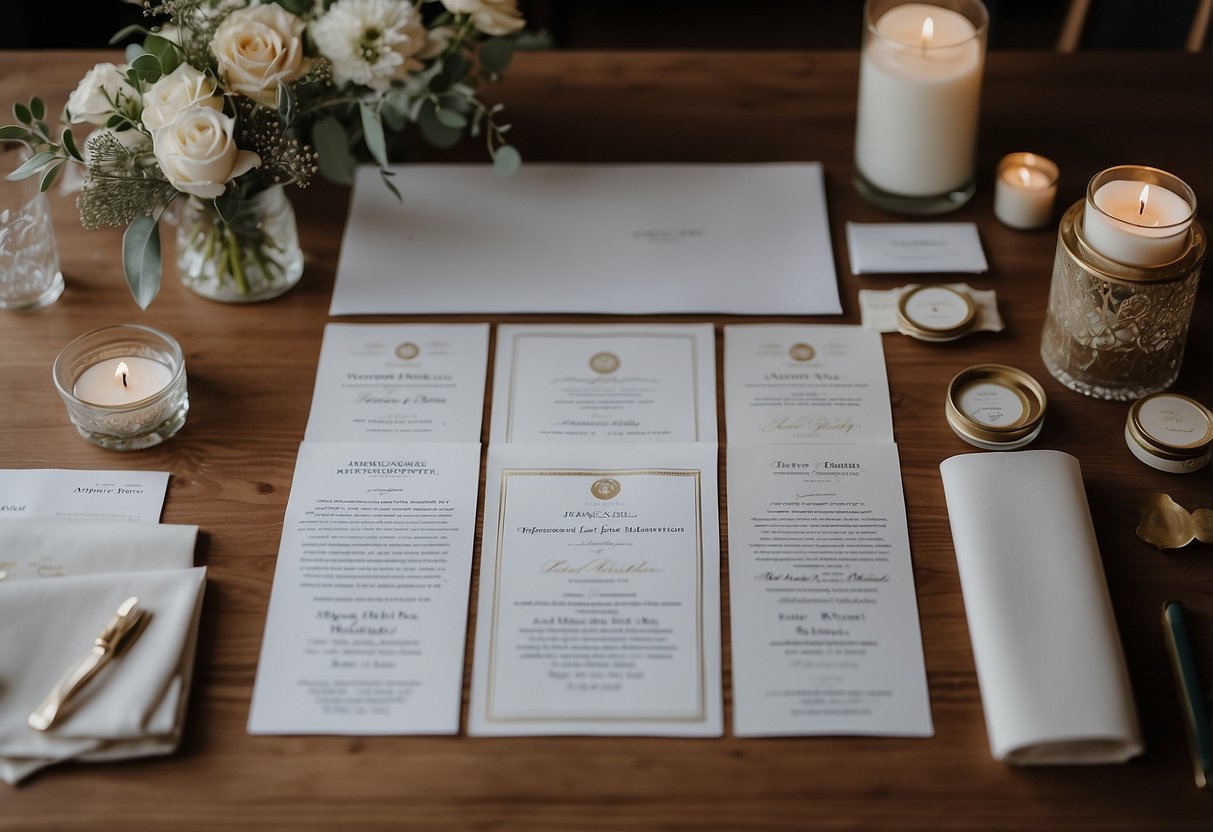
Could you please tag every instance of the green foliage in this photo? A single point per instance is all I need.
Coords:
(337, 163)
(141, 259)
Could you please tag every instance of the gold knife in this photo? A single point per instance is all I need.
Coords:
(119, 634)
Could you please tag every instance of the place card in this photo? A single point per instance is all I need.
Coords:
(795, 384)
(824, 616)
(368, 613)
(915, 248)
(136, 496)
(616, 383)
(599, 607)
(400, 383)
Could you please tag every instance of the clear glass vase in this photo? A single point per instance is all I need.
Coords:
(256, 256)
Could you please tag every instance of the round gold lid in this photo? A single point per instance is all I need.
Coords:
(995, 406)
(935, 313)
(1171, 426)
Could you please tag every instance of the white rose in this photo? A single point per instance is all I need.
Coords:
(181, 88)
(93, 100)
(259, 48)
(197, 153)
(493, 17)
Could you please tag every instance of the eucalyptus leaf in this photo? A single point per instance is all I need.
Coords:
(496, 54)
(115, 120)
(454, 69)
(22, 113)
(141, 259)
(164, 50)
(37, 108)
(228, 203)
(31, 165)
(452, 119)
(296, 7)
(372, 134)
(14, 133)
(507, 160)
(69, 144)
(337, 163)
(434, 131)
(147, 68)
(49, 177)
(132, 51)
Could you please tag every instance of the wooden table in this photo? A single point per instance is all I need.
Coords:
(250, 380)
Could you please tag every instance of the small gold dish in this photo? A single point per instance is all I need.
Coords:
(1170, 432)
(995, 407)
(1168, 525)
(935, 313)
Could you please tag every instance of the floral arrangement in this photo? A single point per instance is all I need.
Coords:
(225, 100)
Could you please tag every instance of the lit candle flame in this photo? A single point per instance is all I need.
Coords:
(1143, 199)
(928, 31)
(1025, 176)
(121, 371)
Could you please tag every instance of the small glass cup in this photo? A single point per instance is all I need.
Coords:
(131, 425)
(29, 262)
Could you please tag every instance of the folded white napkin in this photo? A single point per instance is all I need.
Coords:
(135, 706)
(1053, 680)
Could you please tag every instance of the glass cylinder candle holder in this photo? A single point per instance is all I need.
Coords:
(1114, 330)
(124, 386)
(919, 95)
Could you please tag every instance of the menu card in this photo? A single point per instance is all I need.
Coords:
(824, 616)
(399, 383)
(137, 496)
(367, 618)
(605, 383)
(599, 608)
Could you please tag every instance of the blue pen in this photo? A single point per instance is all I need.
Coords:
(1196, 715)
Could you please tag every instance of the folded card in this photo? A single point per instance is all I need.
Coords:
(1049, 663)
(914, 248)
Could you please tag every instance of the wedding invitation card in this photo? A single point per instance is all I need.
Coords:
(50, 493)
(619, 383)
(745, 239)
(366, 622)
(400, 383)
(805, 384)
(824, 615)
(599, 608)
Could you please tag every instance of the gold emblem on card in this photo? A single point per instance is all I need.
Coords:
(802, 352)
(408, 351)
(604, 362)
(605, 489)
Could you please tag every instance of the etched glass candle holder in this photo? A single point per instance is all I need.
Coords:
(124, 386)
(1115, 330)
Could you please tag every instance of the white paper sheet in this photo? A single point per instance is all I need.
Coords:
(617, 383)
(137, 496)
(798, 384)
(1053, 680)
(630, 239)
(367, 618)
(599, 599)
(823, 610)
(399, 383)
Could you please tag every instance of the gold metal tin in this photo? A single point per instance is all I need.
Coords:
(924, 329)
(1182, 449)
(995, 407)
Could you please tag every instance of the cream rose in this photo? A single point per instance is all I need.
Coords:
(181, 88)
(493, 17)
(197, 153)
(93, 100)
(258, 49)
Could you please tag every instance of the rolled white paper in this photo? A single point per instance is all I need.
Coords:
(1054, 686)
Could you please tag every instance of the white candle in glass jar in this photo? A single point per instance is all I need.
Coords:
(919, 92)
(1024, 190)
(123, 380)
(1136, 222)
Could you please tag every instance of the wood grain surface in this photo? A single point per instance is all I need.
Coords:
(251, 371)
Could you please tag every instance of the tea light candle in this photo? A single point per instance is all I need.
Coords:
(1137, 215)
(1024, 190)
(124, 386)
(122, 380)
(919, 91)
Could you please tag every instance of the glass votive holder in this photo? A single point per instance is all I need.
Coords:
(1113, 330)
(29, 262)
(1024, 190)
(920, 73)
(124, 386)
